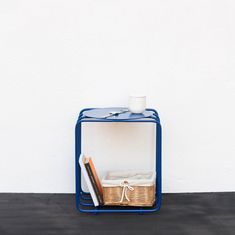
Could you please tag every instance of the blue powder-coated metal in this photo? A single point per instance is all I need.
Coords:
(83, 200)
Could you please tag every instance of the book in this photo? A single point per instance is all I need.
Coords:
(94, 179)
(82, 160)
(97, 180)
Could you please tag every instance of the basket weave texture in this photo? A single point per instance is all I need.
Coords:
(139, 196)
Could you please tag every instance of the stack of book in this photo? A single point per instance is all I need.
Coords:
(92, 179)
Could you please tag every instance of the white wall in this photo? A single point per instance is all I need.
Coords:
(57, 57)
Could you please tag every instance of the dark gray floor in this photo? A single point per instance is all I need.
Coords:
(202, 214)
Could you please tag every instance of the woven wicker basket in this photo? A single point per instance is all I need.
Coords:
(129, 188)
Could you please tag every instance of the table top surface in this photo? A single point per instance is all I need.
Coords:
(117, 113)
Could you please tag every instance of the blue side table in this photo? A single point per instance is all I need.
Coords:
(83, 199)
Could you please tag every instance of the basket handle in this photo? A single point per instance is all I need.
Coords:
(125, 186)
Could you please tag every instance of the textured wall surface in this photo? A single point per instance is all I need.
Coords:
(57, 57)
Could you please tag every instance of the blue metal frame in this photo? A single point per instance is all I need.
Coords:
(83, 200)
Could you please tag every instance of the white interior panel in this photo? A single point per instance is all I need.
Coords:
(119, 146)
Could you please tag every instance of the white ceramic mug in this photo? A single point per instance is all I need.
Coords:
(137, 103)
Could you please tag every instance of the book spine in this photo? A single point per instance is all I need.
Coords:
(95, 187)
(96, 177)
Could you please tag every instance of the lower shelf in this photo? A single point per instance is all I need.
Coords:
(85, 204)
